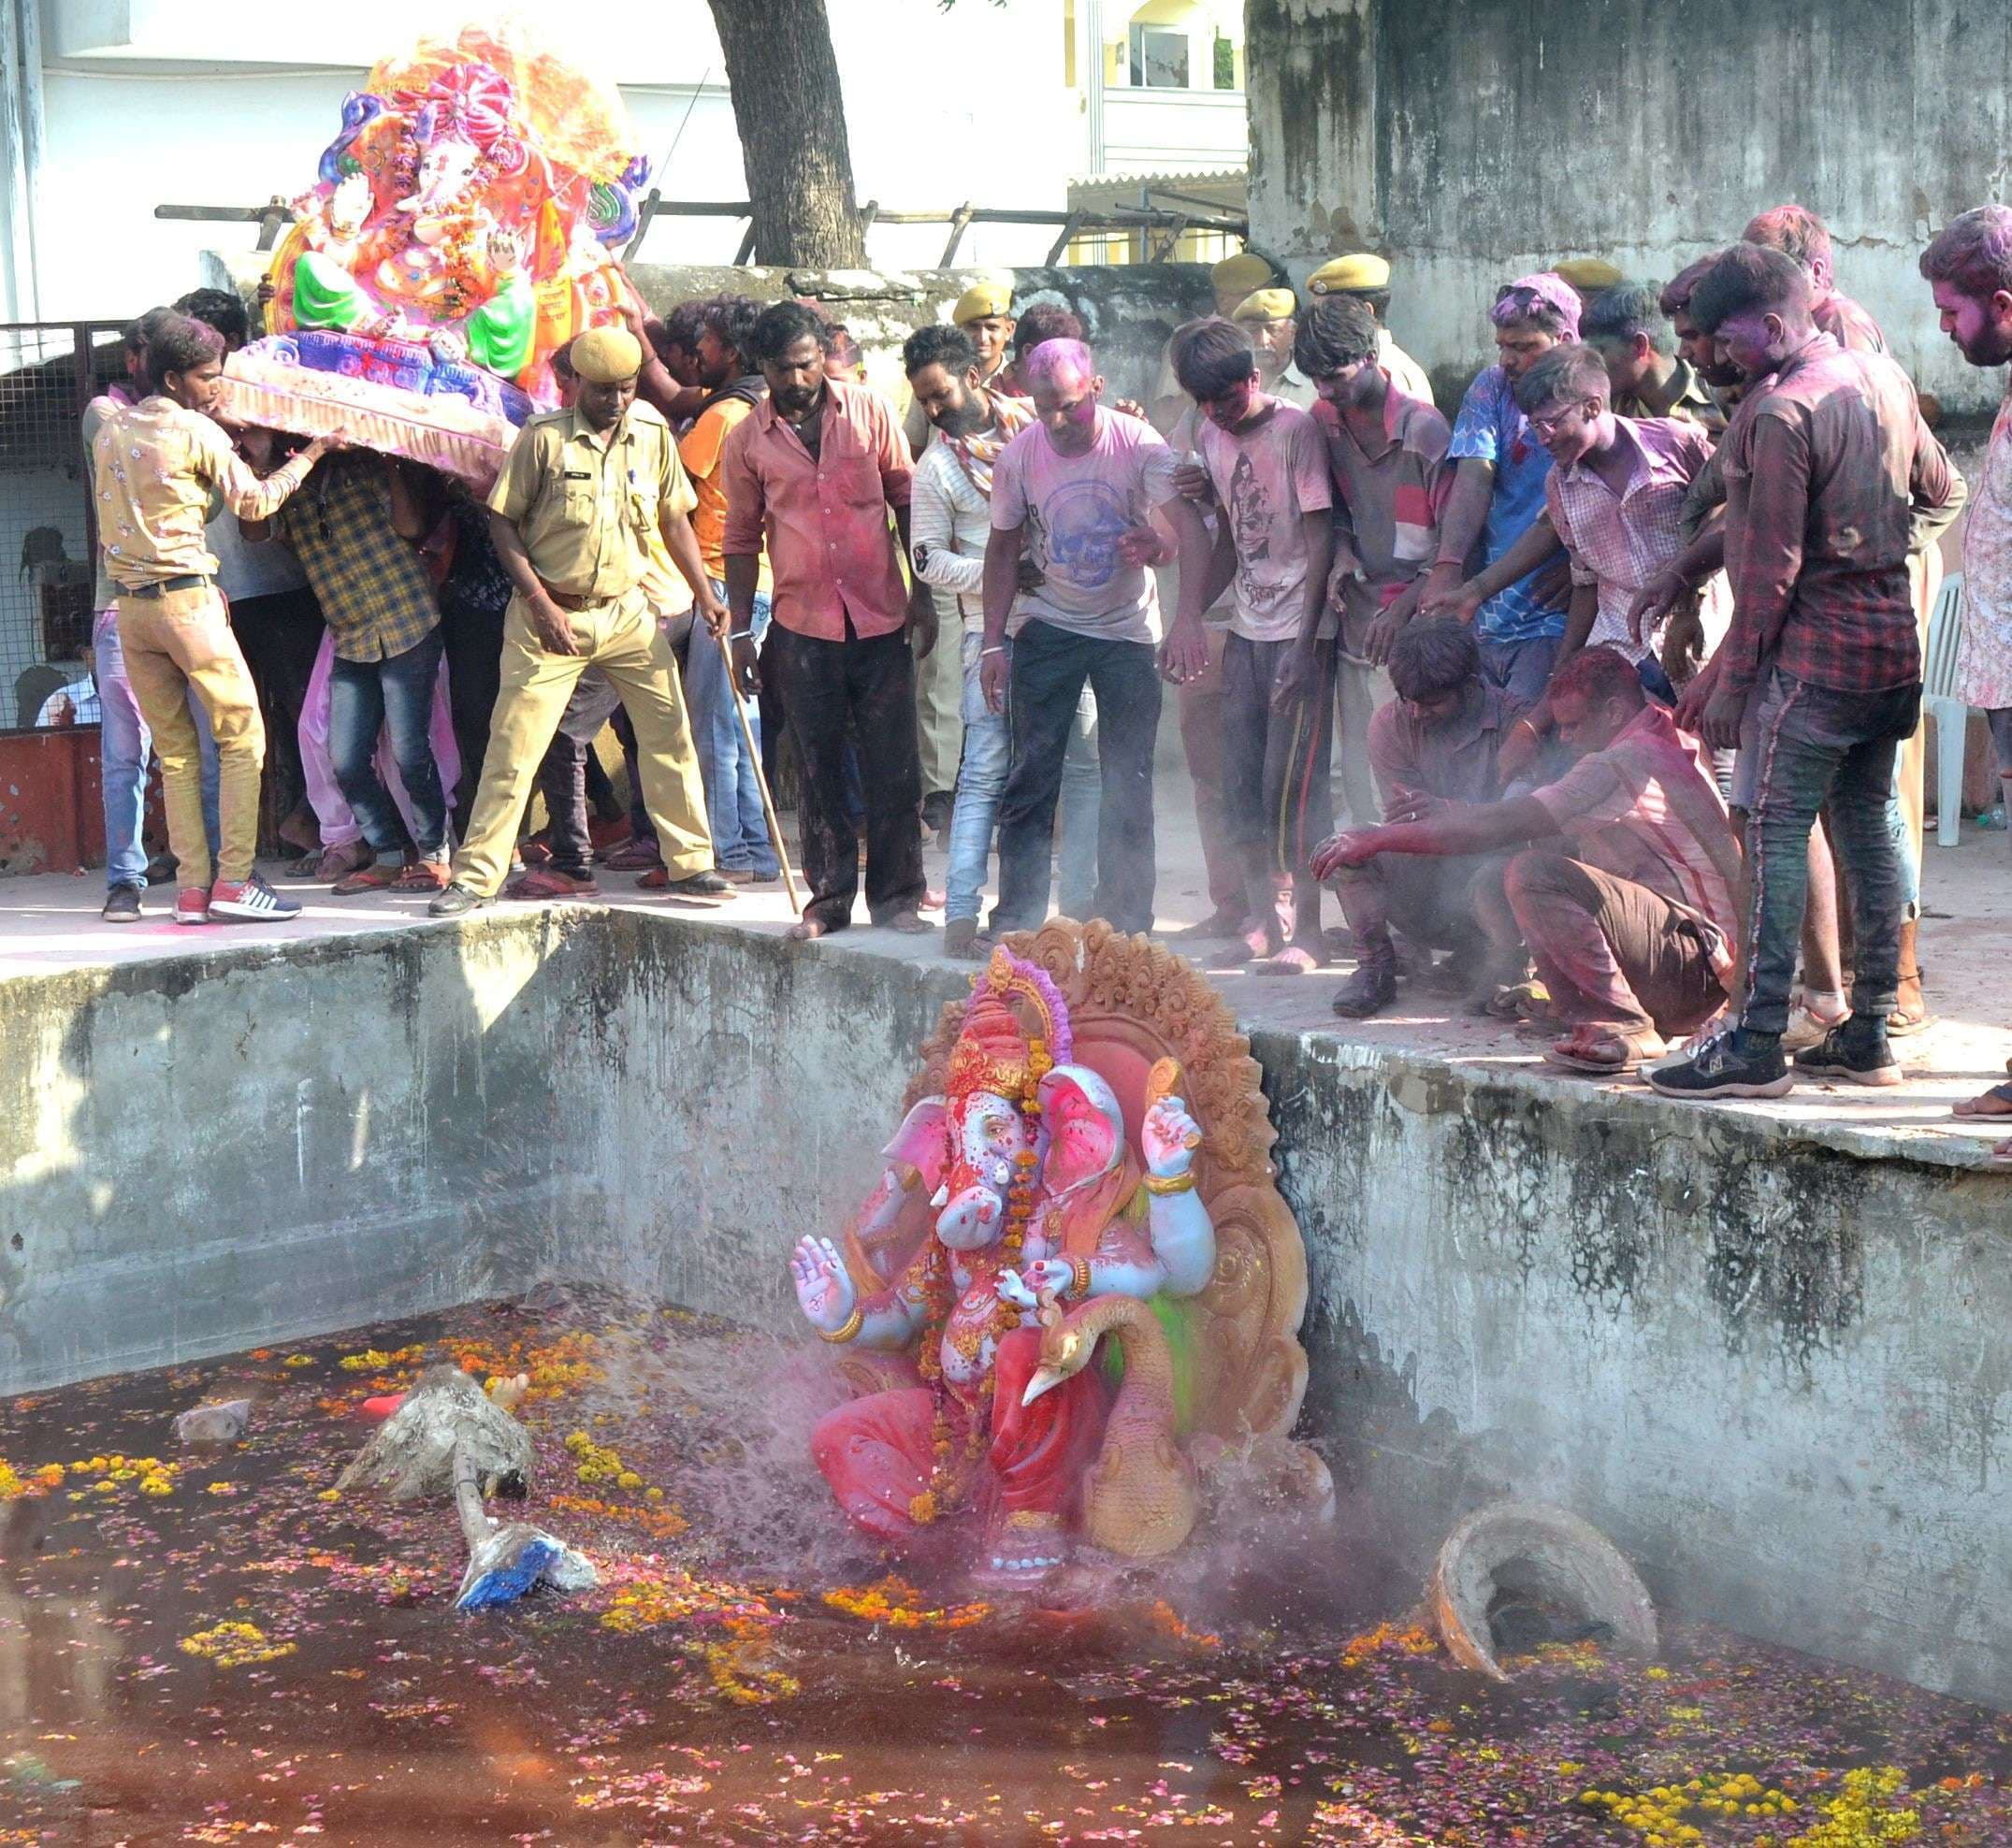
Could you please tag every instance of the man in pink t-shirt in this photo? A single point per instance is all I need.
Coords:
(1078, 490)
(1264, 464)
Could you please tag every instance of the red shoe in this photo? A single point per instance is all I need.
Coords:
(192, 905)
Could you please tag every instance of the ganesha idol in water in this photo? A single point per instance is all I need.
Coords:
(1046, 1227)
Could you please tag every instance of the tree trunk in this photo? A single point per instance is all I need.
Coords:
(784, 78)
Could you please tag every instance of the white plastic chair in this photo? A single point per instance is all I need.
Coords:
(1951, 715)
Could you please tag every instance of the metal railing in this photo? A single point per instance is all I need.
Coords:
(1169, 225)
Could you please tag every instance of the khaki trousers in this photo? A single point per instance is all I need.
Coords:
(173, 643)
(939, 711)
(620, 639)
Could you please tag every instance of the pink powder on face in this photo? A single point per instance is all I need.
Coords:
(1062, 366)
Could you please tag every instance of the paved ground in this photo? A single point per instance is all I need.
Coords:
(49, 923)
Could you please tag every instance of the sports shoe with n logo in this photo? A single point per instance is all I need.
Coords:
(250, 902)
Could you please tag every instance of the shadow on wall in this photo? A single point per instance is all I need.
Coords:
(231, 1147)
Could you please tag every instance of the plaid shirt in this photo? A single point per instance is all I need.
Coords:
(371, 584)
(1618, 543)
(1824, 473)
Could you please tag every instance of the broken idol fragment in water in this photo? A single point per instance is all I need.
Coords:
(450, 1438)
(1517, 1573)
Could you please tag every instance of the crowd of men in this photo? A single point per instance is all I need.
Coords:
(1618, 671)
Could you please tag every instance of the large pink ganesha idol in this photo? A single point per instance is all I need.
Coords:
(1019, 1222)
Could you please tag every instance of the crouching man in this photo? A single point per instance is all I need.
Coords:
(1439, 742)
(1623, 890)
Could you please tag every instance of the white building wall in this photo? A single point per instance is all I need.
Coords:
(940, 108)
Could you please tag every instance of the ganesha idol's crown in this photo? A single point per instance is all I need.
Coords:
(996, 1051)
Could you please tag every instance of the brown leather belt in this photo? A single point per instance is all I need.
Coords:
(566, 600)
(167, 586)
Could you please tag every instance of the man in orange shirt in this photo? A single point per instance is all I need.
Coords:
(733, 386)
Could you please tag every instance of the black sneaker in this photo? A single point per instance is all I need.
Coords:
(1858, 1058)
(122, 905)
(456, 900)
(1736, 1064)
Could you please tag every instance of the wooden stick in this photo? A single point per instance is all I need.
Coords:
(761, 781)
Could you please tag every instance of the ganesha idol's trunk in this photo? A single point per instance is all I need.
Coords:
(973, 1218)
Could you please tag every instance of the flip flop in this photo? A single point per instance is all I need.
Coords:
(1968, 1111)
(377, 879)
(541, 883)
(1604, 1068)
(1294, 960)
(1517, 1001)
(632, 856)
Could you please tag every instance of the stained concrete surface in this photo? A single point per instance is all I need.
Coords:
(48, 924)
(1769, 1348)
(1475, 143)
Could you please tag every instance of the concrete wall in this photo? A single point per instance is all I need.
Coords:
(1775, 1370)
(1475, 140)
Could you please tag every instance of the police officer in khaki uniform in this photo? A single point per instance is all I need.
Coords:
(571, 517)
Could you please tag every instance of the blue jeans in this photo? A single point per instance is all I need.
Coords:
(1814, 745)
(733, 795)
(395, 695)
(1520, 669)
(982, 779)
(124, 743)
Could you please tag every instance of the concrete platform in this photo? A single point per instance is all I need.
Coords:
(49, 923)
(1768, 1348)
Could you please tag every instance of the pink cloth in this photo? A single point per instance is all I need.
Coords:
(1076, 509)
(824, 522)
(1268, 479)
(1648, 808)
(1984, 670)
(338, 827)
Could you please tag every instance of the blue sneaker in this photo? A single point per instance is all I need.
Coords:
(250, 902)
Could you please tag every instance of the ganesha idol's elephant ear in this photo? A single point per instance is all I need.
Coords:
(1134, 1005)
(919, 1155)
